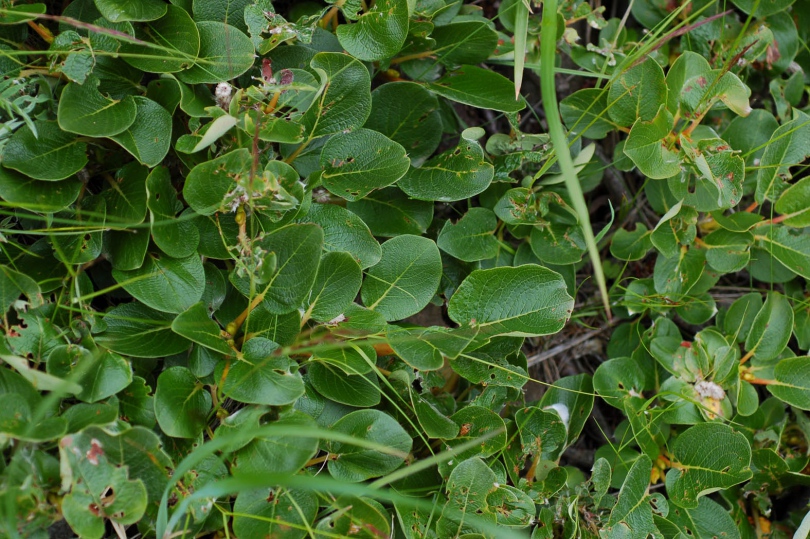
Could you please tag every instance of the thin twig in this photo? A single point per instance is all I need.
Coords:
(559, 349)
(679, 32)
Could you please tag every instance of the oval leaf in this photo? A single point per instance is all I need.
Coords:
(356, 163)
(50, 154)
(181, 403)
(706, 458)
(405, 279)
(167, 284)
(527, 300)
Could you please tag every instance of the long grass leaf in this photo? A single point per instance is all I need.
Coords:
(521, 33)
(548, 48)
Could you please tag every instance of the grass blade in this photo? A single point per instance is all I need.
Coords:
(521, 32)
(548, 48)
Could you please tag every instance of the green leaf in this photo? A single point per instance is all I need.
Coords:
(706, 521)
(131, 10)
(727, 251)
(175, 237)
(228, 11)
(378, 34)
(750, 134)
(771, 329)
(675, 228)
(424, 348)
(126, 250)
(345, 100)
(676, 277)
(82, 415)
(47, 154)
(89, 504)
(14, 284)
(456, 174)
(137, 404)
(274, 512)
(149, 137)
(792, 382)
(225, 53)
(794, 204)
(762, 9)
(617, 379)
(356, 163)
(30, 378)
(136, 330)
(101, 375)
(631, 245)
(472, 237)
(740, 316)
(701, 92)
(433, 422)
(173, 39)
(645, 146)
(361, 390)
(464, 42)
(405, 279)
(85, 111)
(559, 244)
(787, 246)
(409, 115)
(138, 449)
(390, 212)
(82, 247)
(214, 131)
(297, 249)
(22, 13)
(193, 100)
(78, 64)
(336, 285)
(706, 458)
(21, 191)
(637, 94)
(574, 394)
(720, 175)
(353, 463)
(208, 183)
(181, 403)
(467, 489)
(768, 268)
(282, 453)
(688, 65)
(351, 358)
(527, 300)
(740, 221)
(217, 234)
(542, 433)
(126, 195)
(788, 146)
(261, 377)
(16, 421)
(196, 326)
(632, 516)
(478, 87)
(350, 511)
(475, 422)
(515, 508)
(498, 363)
(345, 231)
(360, 321)
(166, 284)
(282, 329)
(585, 112)
(699, 309)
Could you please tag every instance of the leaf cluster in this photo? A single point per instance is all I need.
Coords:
(278, 270)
